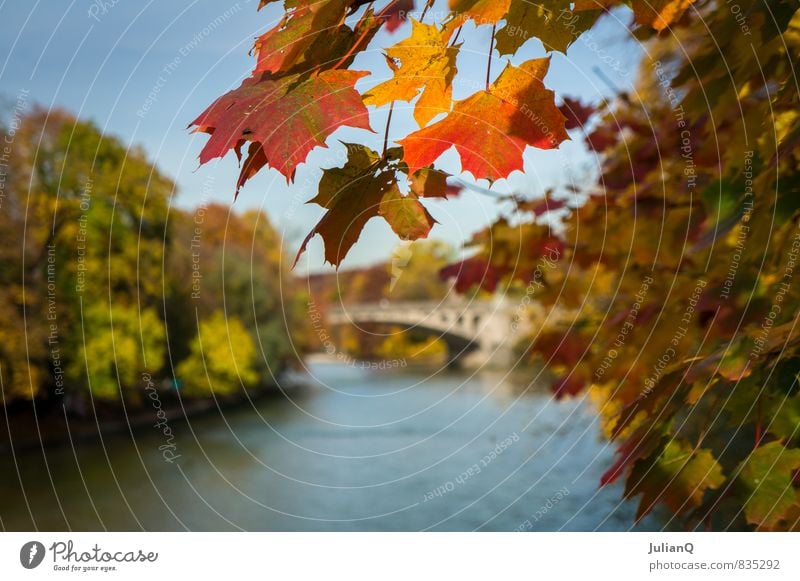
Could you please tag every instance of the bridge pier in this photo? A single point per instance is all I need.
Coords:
(493, 356)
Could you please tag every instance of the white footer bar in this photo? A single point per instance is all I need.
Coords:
(401, 556)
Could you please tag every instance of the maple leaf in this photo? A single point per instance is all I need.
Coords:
(551, 21)
(659, 14)
(288, 118)
(423, 64)
(767, 474)
(577, 113)
(340, 50)
(352, 196)
(303, 25)
(640, 444)
(314, 37)
(364, 188)
(432, 183)
(394, 14)
(397, 13)
(786, 417)
(647, 400)
(491, 129)
(409, 219)
(255, 161)
(481, 11)
(679, 477)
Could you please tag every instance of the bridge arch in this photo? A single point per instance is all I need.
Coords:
(475, 332)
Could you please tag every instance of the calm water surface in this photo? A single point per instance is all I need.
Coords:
(357, 450)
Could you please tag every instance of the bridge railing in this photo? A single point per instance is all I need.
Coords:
(430, 306)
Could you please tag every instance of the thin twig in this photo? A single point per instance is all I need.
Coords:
(386, 135)
(455, 38)
(425, 11)
(489, 64)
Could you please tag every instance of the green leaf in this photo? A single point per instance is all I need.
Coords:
(678, 477)
(767, 475)
(551, 21)
(785, 417)
(406, 215)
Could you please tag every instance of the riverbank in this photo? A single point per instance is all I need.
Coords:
(39, 425)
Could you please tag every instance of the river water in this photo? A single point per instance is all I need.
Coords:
(356, 450)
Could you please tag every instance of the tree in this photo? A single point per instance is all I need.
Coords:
(414, 268)
(83, 222)
(120, 344)
(220, 259)
(97, 269)
(693, 352)
(221, 361)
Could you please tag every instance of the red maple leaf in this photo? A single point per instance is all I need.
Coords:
(576, 113)
(492, 128)
(286, 119)
(397, 14)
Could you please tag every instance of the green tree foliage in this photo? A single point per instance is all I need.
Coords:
(414, 269)
(96, 270)
(412, 347)
(221, 359)
(84, 222)
(119, 345)
(221, 259)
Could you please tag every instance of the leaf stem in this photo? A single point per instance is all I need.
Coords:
(455, 38)
(386, 135)
(425, 11)
(489, 63)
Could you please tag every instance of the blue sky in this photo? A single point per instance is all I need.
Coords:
(142, 70)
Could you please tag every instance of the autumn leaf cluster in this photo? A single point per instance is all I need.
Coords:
(302, 90)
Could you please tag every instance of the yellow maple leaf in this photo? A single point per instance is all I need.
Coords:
(423, 63)
(481, 11)
(659, 13)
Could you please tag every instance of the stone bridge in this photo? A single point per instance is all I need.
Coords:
(477, 332)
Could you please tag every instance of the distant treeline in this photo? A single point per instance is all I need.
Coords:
(106, 288)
